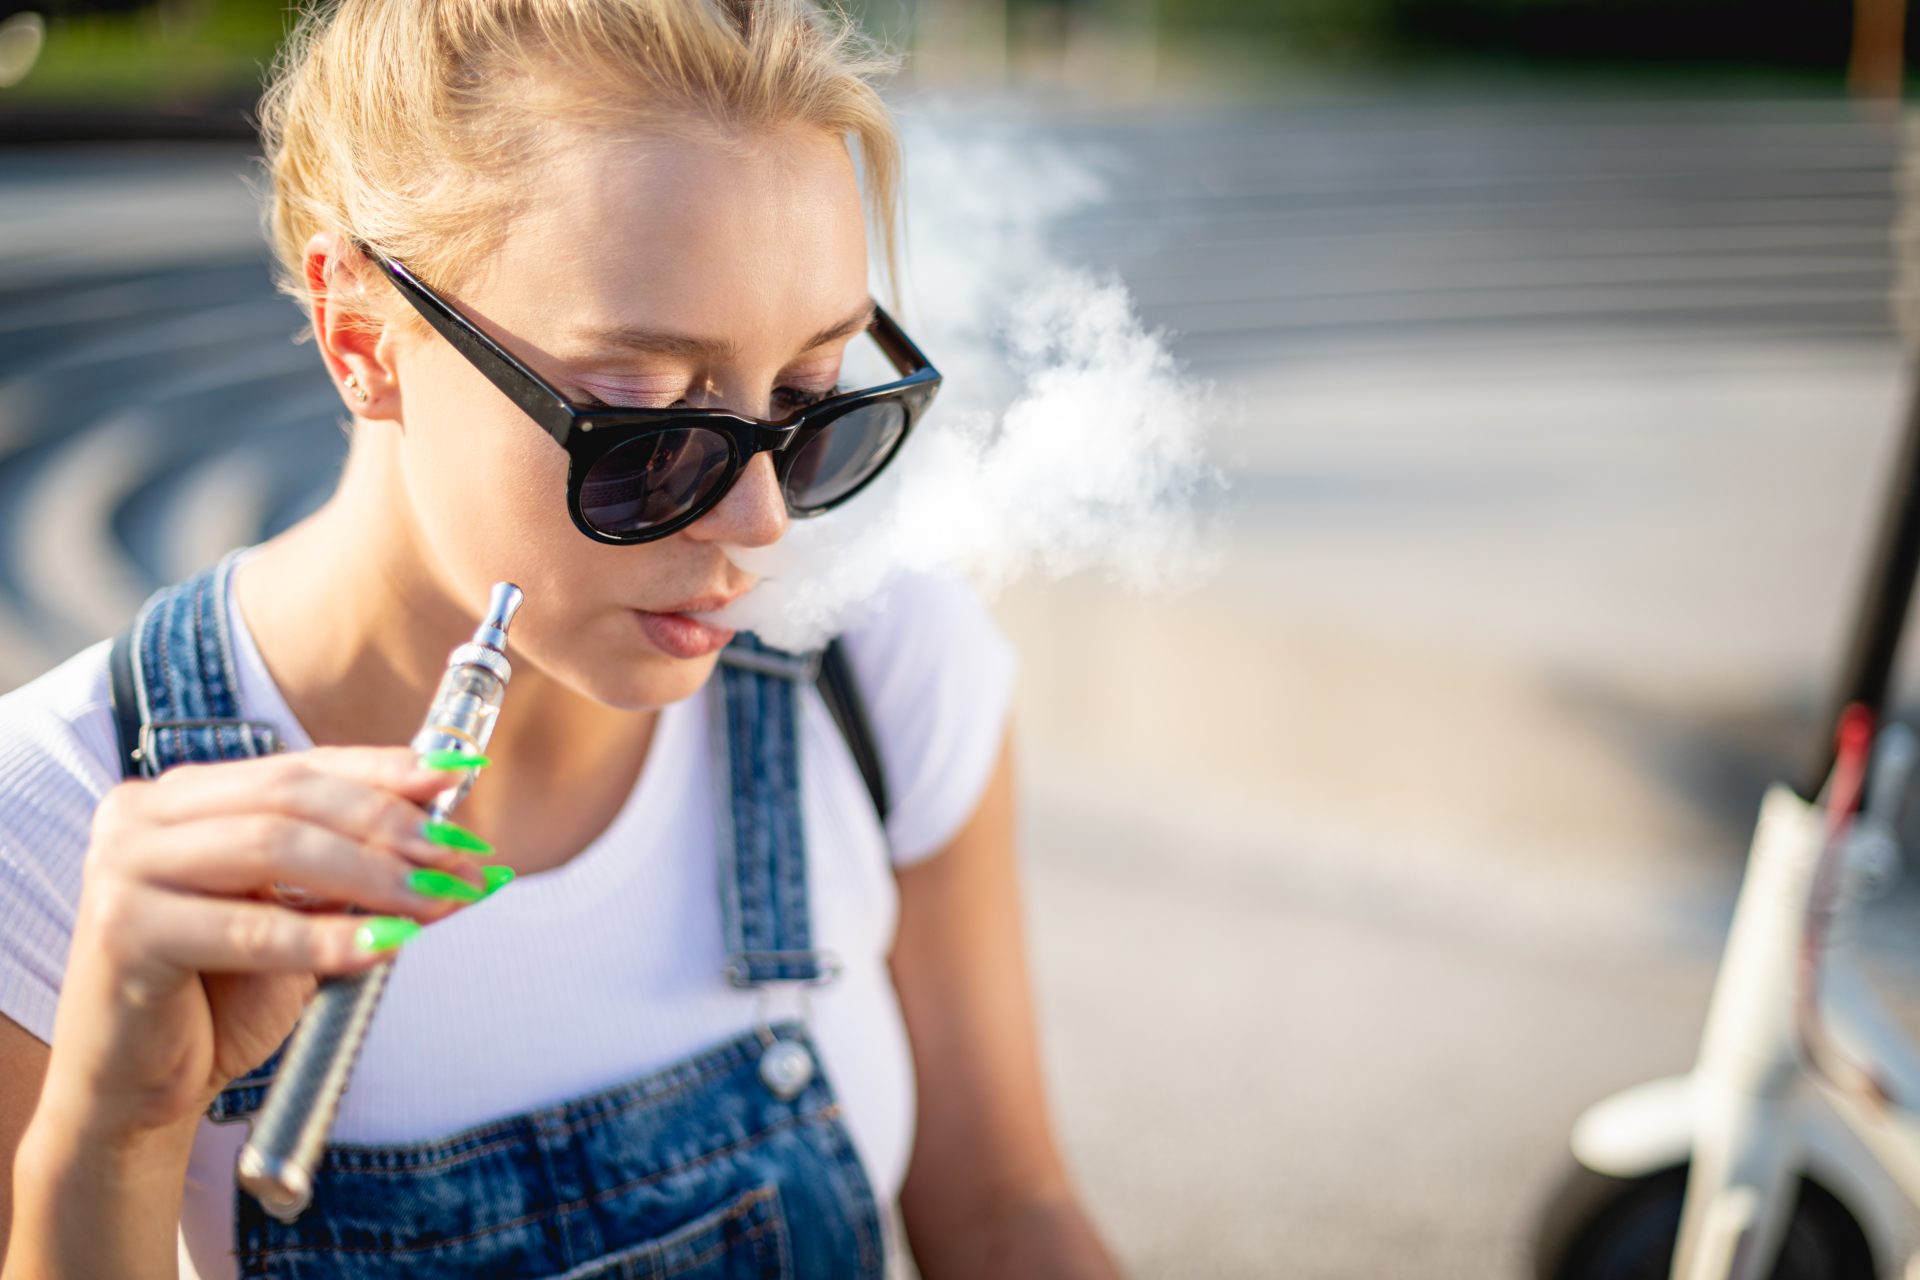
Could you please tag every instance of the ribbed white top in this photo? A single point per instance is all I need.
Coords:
(596, 971)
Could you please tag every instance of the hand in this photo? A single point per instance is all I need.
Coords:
(186, 969)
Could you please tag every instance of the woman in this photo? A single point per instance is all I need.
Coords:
(645, 203)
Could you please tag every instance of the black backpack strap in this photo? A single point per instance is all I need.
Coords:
(126, 703)
(842, 696)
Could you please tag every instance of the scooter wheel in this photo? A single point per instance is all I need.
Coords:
(1597, 1227)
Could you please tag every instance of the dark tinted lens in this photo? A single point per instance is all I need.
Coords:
(845, 453)
(653, 480)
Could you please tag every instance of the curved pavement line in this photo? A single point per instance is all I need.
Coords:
(75, 572)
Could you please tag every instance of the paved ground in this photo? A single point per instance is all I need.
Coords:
(1359, 868)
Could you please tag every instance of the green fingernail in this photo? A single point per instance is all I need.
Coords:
(453, 836)
(496, 876)
(453, 758)
(384, 933)
(433, 883)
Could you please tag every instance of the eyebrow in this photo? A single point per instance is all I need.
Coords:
(658, 342)
(853, 324)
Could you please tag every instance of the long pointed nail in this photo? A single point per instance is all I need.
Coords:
(453, 758)
(453, 836)
(384, 933)
(496, 877)
(431, 882)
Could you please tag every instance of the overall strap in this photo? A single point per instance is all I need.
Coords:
(768, 928)
(833, 675)
(174, 684)
(175, 699)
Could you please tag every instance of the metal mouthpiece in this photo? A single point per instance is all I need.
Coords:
(502, 603)
(488, 646)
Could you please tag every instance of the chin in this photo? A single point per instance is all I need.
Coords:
(656, 680)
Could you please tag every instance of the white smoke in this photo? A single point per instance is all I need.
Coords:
(1065, 439)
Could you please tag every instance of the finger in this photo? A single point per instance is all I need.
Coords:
(393, 769)
(402, 826)
(226, 935)
(398, 769)
(345, 788)
(231, 854)
(285, 895)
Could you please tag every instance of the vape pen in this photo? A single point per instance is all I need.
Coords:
(276, 1165)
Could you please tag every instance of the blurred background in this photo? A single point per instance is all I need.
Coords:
(1562, 384)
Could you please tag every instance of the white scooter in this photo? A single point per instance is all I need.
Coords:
(1792, 1150)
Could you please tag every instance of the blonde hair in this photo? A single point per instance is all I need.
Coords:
(419, 126)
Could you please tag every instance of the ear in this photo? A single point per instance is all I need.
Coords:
(358, 356)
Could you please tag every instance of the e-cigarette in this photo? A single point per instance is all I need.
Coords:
(276, 1165)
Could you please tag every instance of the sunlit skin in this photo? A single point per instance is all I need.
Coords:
(753, 247)
(450, 487)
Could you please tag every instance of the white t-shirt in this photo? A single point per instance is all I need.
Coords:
(597, 971)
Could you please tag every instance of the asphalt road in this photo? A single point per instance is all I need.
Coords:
(1357, 869)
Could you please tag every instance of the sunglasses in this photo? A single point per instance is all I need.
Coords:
(634, 475)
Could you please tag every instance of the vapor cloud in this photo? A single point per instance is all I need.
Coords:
(1066, 438)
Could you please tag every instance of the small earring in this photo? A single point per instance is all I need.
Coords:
(353, 385)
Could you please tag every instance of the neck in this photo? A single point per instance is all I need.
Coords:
(355, 624)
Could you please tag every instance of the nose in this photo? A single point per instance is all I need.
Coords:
(753, 513)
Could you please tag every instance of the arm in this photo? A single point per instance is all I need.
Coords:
(986, 1193)
(133, 1189)
(23, 1065)
(181, 974)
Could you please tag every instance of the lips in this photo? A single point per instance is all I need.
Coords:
(679, 636)
(699, 604)
(676, 629)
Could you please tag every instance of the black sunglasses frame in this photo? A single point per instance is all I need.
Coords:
(589, 434)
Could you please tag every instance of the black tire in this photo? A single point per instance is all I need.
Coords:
(1596, 1227)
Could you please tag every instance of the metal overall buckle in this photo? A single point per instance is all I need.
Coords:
(144, 753)
(802, 668)
(787, 1066)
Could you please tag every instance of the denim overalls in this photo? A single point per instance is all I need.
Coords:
(734, 1162)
